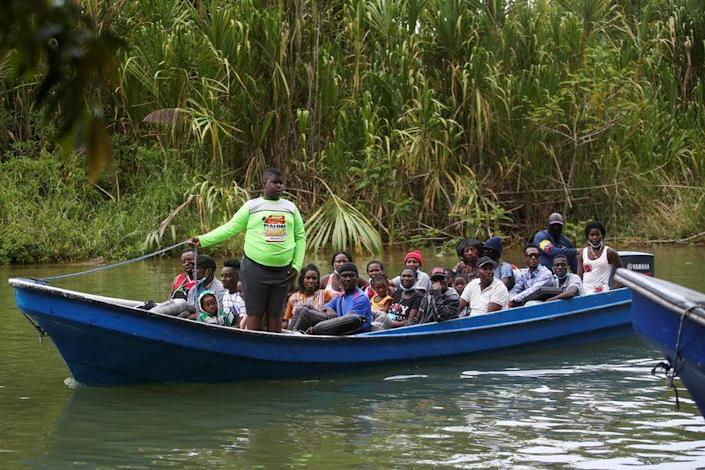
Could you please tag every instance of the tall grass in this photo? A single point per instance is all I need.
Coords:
(421, 119)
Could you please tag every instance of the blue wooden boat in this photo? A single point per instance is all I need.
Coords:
(671, 318)
(108, 341)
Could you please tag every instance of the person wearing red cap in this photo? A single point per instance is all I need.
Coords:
(414, 260)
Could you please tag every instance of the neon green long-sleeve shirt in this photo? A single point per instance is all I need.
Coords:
(275, 234)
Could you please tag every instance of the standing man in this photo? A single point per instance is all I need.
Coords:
(275, 242)
(552, 242)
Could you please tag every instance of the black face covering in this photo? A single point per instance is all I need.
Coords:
(555, 230)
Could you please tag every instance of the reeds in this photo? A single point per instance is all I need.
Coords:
(429, 118)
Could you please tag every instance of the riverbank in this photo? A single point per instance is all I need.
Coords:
(50, 213)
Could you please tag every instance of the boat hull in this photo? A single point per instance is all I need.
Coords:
(661, 313)
(104, 343)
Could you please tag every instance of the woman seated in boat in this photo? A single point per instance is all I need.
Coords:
(209, 311)
(309, 293)
(331, 282)
(405, 306)
(597, 261)
(381, 301)
(468, 251)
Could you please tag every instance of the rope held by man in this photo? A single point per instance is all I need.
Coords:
(110, 266)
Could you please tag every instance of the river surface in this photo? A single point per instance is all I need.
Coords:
(590, 406)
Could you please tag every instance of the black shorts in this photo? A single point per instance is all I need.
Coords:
(265, 288)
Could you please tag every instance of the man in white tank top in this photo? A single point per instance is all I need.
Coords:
(596, 261)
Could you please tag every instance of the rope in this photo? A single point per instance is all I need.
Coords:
(110, 266)
(672, 370)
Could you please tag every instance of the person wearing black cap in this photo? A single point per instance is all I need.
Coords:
(468, 251)
(485, 294)
(441, 302)
(552, 242)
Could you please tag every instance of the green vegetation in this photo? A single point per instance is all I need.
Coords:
(409, 120)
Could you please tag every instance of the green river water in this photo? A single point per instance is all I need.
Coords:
(589, 406)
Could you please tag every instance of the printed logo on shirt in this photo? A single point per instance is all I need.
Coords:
(274, 228)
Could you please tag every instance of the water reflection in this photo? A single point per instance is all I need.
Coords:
(588, 406)
(585, 407)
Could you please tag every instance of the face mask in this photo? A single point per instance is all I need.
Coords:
(597, 245)
(412, 288)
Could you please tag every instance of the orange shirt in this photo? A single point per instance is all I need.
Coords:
(318, 299)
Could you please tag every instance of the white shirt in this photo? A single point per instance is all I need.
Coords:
(234, 304)
(478, 299)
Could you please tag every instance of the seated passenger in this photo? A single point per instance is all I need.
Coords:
(331, 282)
(485, 294)
(205, 273)
(184, 281)
(569, 283)
(233, 302)
(459, 284)
(381, 301)
(309, 293)
(413, 260)
(535, 277)
(374, 268)
(597, 261)
(352, 301)
(407, 300)
(208, 311)
(503, 271)
(468, 251)
(441, 302)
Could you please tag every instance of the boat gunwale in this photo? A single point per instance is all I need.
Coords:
(654, 289)
(400, 333)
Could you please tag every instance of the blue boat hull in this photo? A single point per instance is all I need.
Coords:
(657, 310)
(105, 343)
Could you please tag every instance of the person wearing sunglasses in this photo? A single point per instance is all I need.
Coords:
(535, 277)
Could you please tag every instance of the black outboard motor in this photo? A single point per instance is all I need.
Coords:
(638, 261)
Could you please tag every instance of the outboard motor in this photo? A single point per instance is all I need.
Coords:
(638, 261)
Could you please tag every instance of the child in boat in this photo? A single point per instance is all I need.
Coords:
(374, 268)
(208, 311)
(459, 284)
(381, 301)
(309, 293)
(405, 305)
